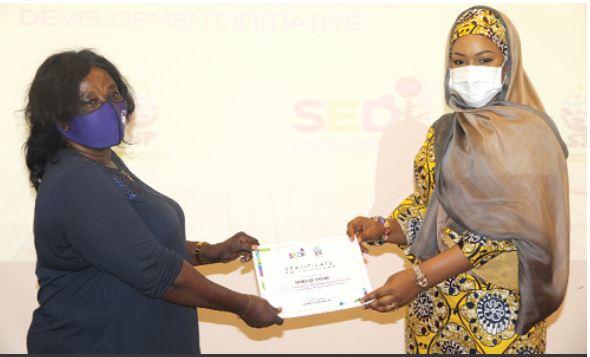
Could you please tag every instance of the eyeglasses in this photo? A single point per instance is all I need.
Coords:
(90, 102)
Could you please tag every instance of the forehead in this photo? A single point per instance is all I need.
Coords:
(97, 79)
(471, 44)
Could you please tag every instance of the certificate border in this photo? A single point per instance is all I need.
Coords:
(343, 305)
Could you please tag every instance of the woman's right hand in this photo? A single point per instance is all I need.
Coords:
(365, 229)
(260, 313)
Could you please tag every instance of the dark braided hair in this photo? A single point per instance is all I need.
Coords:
(54, 98)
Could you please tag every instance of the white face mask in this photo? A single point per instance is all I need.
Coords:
(477, 85)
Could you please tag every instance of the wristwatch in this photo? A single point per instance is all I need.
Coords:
(421, 279)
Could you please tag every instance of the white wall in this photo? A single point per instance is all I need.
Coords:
(284, 121)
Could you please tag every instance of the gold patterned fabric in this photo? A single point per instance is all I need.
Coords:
(466, 313)
(481, 21)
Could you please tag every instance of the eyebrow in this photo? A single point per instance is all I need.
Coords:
(477, 54)
(485, 51)
(111, 87)
(86, 94)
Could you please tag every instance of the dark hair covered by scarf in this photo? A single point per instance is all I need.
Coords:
(502, 173)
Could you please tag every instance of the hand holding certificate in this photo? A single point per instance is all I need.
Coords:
(312, 277)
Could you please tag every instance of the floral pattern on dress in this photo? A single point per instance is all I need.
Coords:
(522, 345)
(413, 227)
(456, 284)
(453, 339)
(490, 315)
(429, 312)
(414, 206)
(410, 340)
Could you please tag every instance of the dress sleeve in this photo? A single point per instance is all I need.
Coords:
(106, 231)
(410, 212)
(477, 248)
(409, 215)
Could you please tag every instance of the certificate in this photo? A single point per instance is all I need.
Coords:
(311, 277)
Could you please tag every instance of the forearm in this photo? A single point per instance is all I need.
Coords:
(445, 265)
(191, 288)
(208, 253)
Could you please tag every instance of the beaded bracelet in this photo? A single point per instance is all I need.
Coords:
(197, 252)
(385, 223)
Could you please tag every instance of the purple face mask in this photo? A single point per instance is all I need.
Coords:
(100, 129)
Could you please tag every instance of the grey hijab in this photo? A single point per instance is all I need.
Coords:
(502, 173)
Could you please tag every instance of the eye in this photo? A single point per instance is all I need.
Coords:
(88, 103)
(485, 60)
(458, 62)
(116, 96)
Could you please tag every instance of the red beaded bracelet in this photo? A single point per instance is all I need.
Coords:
(387, 232)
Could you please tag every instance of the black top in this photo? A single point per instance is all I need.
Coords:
(107, 249)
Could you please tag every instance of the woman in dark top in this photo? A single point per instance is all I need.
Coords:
(115, 270)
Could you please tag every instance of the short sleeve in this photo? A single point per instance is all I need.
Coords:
(104, 228)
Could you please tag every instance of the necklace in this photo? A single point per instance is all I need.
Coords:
(111, 165)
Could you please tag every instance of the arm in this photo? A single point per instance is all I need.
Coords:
(191, 288)
(192, 248)
(369, 230)
(401, 287)
(104, 229)
(240, 244)
(470, 251)
(402, 227)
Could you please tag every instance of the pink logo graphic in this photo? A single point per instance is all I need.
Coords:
(372, 115)
(140, 128)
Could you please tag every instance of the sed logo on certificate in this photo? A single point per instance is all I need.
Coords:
(311, 277)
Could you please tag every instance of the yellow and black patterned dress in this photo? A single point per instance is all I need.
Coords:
(466, 313)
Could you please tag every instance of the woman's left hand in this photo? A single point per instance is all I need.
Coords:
(239, 245)
(398, 290)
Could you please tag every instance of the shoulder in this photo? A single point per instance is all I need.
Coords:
(69, 171)
(443, 122)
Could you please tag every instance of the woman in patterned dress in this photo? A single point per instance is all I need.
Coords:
(487, 226)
